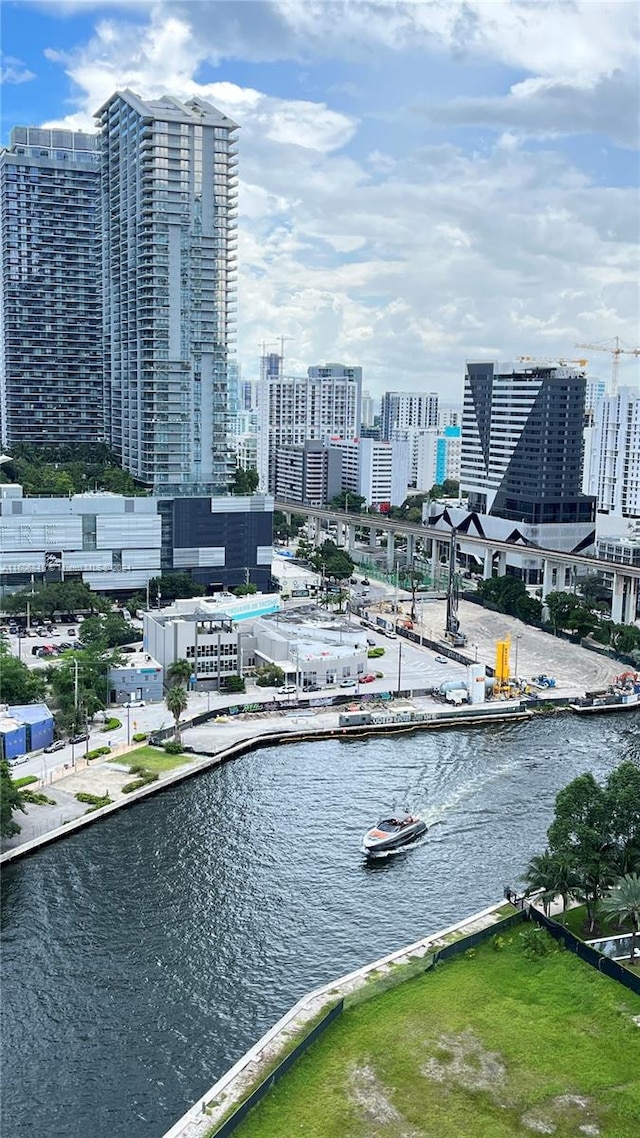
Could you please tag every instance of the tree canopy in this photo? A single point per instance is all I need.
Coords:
(348, 500)
(10, 801)
(245, 481)
(18, 683)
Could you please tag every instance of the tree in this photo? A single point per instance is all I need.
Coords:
(171, 586)
(180, 672)
(561, 606)
(623, 902)
(107, 631)
(10, 801)
(623, 805)
(232, 683)
(176, 700)
(245, 481)
(18, 684)
(540, 876)
(336, 562)
(580, 834)
(78, 694)
(245, 590)
(348, 500)
(269, 676)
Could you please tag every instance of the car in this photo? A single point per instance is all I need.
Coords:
(17, 760)
(134, 703)
(371, 642)
(349, 682)
(81, 737)
(391, 635)
(366, 581)
(13, 630)
(57, 745)
(368, 679)
(53, 632)
(287, 689)
(312, 687)
(441, 660)
(72, 632)
(155, 741)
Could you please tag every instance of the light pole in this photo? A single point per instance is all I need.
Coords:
(128, 710)
(516, 665)
(399, 665)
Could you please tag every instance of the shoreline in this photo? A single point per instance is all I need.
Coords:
(204, 760)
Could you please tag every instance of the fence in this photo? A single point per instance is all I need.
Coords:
(272, 1078)
(590, 955)
(375, 985)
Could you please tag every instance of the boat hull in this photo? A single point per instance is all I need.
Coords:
(394, 841)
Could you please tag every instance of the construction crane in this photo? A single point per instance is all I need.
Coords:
(452, 630)
(616, 353)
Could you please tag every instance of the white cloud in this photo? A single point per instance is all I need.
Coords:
(404, 262)
(13, 70)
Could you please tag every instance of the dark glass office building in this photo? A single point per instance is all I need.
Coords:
(522, 442)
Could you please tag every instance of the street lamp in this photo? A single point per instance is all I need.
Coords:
(128, 710)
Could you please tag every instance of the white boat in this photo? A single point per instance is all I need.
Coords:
(393, 833)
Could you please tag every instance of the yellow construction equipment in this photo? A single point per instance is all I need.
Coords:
(501, 678)
(615, 352)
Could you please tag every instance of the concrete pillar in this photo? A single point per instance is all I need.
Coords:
(411, 545)
(632, 600)
(351, 537)
(502, 564)
(487, 567)
(391, 551)
(317, 535)
(625, 598)
(552, 577)
(617, 598)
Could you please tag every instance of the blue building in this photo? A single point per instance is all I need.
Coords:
(25, 728)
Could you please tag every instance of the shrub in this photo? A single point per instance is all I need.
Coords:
(111, 724)
(140, 736)
(172, 747)
(95, 800)
(537, 942)
(25, 780)
(37, 799)
(232, 684)
(98, 751)
(145, 778)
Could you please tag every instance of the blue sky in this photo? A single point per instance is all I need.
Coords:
(421, 182)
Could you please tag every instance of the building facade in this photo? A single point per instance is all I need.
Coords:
(408, 409)
(118, 544)
(378, 471)
(294, 409)
(614, 459)
(51, 315)
(168, 209)
(522, 443)
(310, 474)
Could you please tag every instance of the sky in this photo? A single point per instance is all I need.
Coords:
(421, 182)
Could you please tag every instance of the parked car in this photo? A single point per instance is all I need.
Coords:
(72, 632)
(17, 760)
(287, 689)
(368, 679)
(81, 737)
(441, 660)
(366, 581)
(348, 682)
(134, 703)
(57, 745)
(312, 687)
(13, 630)
(391, 635)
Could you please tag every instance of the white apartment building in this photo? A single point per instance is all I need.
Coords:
(378, 471)
(368, 409)
(435, 454)
(401, 409)
(294, 409)
(614, 459)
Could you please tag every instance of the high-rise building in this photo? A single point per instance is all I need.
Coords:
(168, 190)
(408, 409)
(522, 442)
(368, 410)
(50, 350)
(378, 471)
(614, 461)
(293, 409)
(310, 474)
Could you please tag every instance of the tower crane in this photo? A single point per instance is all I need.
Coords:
(615, 352)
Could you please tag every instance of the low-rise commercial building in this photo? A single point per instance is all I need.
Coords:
(138, 677)
(311, 649)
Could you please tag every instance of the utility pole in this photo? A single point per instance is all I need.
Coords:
(399, 665)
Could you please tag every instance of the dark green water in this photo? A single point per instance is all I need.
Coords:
(143, 957)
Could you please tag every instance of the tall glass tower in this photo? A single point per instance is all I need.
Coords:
(50, 340)
(168, 215)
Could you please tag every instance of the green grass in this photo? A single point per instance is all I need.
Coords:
(153, 759)
(507, 1036)
(576, 920)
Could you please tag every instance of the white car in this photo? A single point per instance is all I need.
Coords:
(17, 760)
(391, 635)
(287, 689)
(135, 703)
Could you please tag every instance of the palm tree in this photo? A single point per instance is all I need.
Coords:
(623, 902)
(176, 701)
(540, 877)
(565, 880)
(180, 672)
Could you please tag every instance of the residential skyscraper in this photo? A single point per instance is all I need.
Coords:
(522, 442)
(168, 188)
(408, 409)
(51, 318)
(293, 409)
(614, 461)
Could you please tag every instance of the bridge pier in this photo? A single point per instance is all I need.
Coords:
(624, 601)
(391, 551)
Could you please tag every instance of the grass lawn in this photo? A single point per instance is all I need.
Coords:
(493, 1046)
(576, 920)
(154, 759)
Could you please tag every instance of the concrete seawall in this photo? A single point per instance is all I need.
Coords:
(233, 1086)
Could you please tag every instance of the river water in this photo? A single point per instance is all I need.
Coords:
(142, 957)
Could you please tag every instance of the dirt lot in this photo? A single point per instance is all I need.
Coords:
(575, 669)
